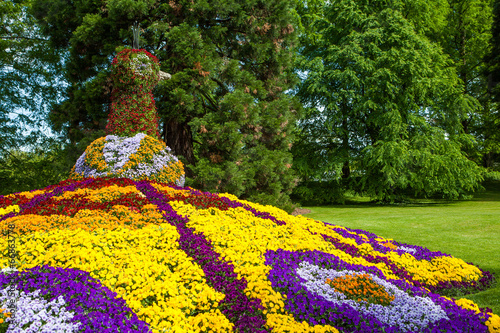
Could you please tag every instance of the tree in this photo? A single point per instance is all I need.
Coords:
(36, 168)
(491, 118)
(466, 39)
(224, 111)
(28, 72)
(381, 104)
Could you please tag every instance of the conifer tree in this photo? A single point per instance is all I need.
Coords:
(225, 111)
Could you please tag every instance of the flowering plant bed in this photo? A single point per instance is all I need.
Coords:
(124, 255)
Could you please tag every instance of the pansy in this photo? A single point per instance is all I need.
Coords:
(51, 299)
(182, 260)
(305, 278)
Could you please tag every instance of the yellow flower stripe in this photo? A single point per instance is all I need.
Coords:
(493, 323)
(103, 194)
(168, 190)
(280, 323)
(9, 209)
(27, 194)
(242, 238)
(431, 272)
(436, 270)
(145, 267)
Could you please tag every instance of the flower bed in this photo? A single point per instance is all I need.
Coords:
(122, 255)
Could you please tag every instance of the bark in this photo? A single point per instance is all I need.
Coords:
(346, 170)
(178, 137)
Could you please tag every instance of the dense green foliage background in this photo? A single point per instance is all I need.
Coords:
(268, 99)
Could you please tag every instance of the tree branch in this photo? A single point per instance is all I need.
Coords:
(22, 37)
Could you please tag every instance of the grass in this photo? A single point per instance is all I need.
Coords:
(468, 229)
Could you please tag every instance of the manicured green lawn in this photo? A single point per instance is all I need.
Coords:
(469, 230)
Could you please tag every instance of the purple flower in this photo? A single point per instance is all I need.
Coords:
(298, 276)
(94, 306)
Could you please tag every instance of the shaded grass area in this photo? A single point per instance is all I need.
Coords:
(469, 230)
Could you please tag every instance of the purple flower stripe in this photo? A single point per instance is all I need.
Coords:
(360, 240)
(234, 204)
(36, 200)
(94, 306)
(9, 215)
(245, 313)
(316, 309)
(419, 252)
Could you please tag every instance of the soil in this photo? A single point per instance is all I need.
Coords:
(300, 211)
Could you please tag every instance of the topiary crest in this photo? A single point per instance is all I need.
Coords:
(135, 73)
(132, 148)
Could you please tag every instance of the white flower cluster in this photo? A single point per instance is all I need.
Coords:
(408, 249)
(141, 64)
(35, 314)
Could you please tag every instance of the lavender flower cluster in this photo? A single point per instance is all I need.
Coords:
(117, 150)
(408, 313)
(299, 276)
(38, 314)
(84, 299)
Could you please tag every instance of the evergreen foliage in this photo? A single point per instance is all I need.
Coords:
(383, 105)
(225, 110)
(29, 76)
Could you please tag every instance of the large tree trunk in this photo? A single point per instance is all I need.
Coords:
(346, 170)
(178, 137)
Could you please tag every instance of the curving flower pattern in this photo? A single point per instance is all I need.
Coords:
(304, 277)
(123, 255)
(52, 299)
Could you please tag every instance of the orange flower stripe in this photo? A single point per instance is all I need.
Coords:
(86, 219)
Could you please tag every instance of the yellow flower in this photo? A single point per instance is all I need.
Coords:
(493, 323)
(9, 209)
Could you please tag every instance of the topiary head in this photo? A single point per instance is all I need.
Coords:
(135, 70)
